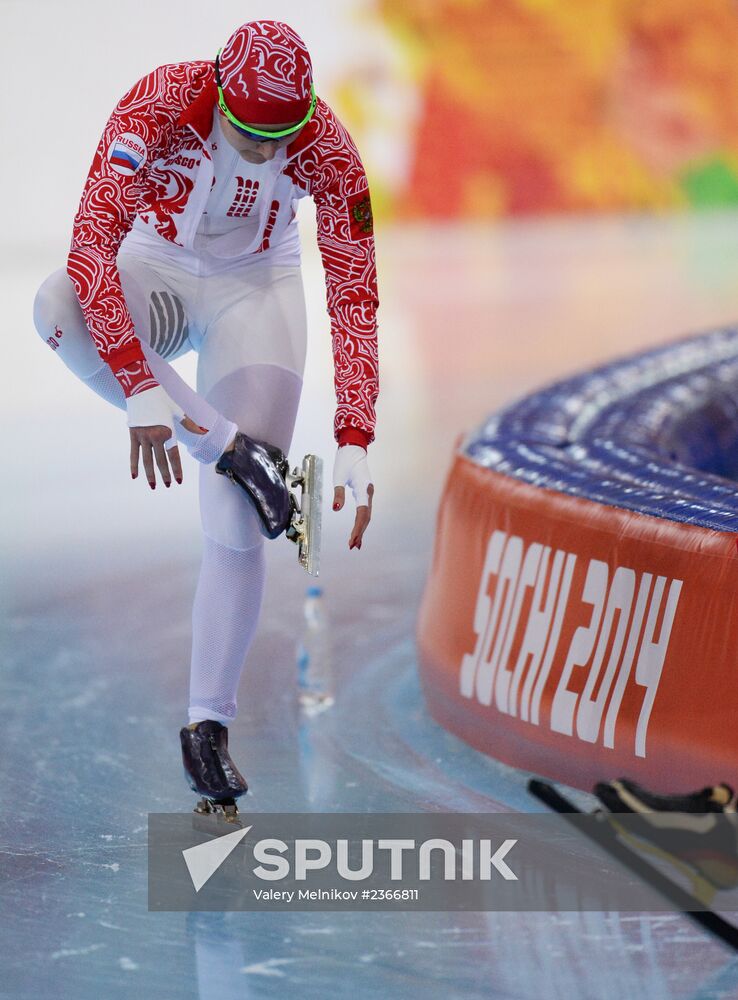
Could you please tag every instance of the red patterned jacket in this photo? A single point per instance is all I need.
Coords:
(166, 119)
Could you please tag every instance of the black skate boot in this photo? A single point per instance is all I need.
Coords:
(209, 769)
(261, 470)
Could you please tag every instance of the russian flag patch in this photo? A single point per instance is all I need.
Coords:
(127, 153)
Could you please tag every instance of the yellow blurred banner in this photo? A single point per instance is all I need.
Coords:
(537, 106)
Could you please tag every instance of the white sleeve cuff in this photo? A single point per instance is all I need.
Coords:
(351, 467)
(152, 407)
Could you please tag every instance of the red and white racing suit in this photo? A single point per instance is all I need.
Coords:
(154, 166)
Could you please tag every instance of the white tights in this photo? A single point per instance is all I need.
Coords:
(249, 328)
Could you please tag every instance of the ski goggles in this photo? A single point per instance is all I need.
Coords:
(256, 134)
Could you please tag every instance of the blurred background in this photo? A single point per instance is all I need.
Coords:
(555, 183)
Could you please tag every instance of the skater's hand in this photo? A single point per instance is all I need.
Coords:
(351, 468)
(151, 417)
(149, 444)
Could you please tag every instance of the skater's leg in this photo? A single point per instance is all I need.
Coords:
(263, 402)
(250, 369)
(224, 618)
(262, 399)
(156, 313)
(58, 318)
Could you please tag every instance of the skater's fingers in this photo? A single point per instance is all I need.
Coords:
(161, 461)
(135, 448)
(359, 527)
(339, 497)
(148, 463)
(176, 462)
(361, 522)
(362, 519)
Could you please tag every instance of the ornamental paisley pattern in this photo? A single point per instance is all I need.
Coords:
(327, 165)
(267, 71)
(112, 198)
(153, 152)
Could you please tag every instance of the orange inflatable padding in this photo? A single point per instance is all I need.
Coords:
(579, 641)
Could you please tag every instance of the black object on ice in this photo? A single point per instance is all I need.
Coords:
(261, 470)
(209, 769)
(605, 834)
(626, 796)
(696, 831)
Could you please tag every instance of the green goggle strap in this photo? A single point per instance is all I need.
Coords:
(257, 131)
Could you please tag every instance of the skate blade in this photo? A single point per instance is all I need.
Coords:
(305, 529)
(211, 814)
(308, 553)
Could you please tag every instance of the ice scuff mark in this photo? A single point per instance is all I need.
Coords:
(268, 968)
(85, 698)
(71, 952)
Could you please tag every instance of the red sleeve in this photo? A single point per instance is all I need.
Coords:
(106, 212)
(331, 170)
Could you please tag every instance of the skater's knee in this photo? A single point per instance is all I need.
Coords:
(233, 524)
(239, 534)
(227, 515)
(54, 305)
(60, 323)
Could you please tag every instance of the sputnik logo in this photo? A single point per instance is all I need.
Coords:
(204, 860)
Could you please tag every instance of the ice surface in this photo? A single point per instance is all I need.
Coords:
(98, 583)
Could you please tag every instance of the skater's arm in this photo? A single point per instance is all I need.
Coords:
(138, 131)
(346, 242)
(331, 169)
(139, 126)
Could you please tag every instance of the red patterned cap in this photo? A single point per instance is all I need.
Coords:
(266, 74)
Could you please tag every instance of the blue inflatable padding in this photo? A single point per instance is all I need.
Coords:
(655, 433)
